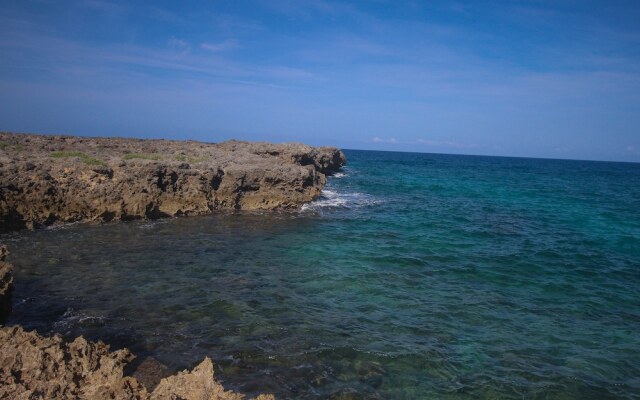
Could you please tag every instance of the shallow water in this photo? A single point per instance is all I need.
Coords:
(414, 276)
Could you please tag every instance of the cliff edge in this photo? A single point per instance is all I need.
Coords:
(56, 179)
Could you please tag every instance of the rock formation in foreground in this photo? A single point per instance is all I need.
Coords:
(37, 367)
(51, 179)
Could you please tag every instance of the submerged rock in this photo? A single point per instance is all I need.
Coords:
(52, 179)
(33, 366)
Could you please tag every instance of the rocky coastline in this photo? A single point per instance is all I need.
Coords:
(48, 180)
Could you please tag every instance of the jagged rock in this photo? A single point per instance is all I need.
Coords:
(196, 384)
(37, 367)
(52, 179)
(32, 366)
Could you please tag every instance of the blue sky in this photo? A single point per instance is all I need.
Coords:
(556, 79)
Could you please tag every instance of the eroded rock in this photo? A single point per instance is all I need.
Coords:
(55, 179)
(32, 366)
(37, 367)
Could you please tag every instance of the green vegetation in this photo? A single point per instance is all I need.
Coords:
(3, 145)
(141, 156)
(84, 157)
(191, 160)
(198, 159)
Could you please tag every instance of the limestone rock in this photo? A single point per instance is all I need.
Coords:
(32, 366)
(55, 179)
(197, 384)
(37, 367)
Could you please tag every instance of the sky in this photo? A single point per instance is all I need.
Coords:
(553, 79)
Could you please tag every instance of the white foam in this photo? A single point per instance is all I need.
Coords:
(73, 318)
(152, 224)
(330, 199)
(339, 175)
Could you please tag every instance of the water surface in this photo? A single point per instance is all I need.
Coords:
(414, 276)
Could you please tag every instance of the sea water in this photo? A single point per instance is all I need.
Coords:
(414, 276)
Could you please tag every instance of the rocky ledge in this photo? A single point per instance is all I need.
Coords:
(56, 179)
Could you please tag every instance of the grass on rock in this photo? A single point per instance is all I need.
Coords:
(87, 159)
(192, 160)
(141, 156)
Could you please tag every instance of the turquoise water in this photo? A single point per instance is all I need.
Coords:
(414, 276)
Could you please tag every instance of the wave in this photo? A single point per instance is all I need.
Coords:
(330, 199)
(72, 318)
(339, 175)
(152, 224)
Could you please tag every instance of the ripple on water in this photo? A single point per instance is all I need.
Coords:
(412, 276)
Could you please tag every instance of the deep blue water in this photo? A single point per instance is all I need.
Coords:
(414, 276)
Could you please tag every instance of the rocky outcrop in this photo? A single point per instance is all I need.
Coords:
(37, 367)
(51, 179)
(6, 284)
(32, 366)
(197, 384)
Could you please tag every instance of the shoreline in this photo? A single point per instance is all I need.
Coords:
(48, 181)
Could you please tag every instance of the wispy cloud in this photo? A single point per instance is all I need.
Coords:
(105, 6)
(179, 44)
(377, 139)
(59, 57)
(418, 75)
(307, 9)
(225, 45)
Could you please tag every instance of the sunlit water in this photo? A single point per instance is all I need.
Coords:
(414, 276)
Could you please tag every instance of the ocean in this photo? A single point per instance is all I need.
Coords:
(414, 276)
